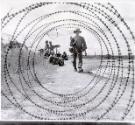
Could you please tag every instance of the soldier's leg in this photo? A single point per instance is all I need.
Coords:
(74, 60)
(80, 61)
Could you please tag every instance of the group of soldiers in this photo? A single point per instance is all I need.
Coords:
(48, 50)
(55, 57)
(77, 47)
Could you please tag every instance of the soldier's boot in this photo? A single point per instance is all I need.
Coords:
(80, 67)
(74, 65)
(80, 70)
(75, 69)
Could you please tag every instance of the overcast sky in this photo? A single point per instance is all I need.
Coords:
(125, 7)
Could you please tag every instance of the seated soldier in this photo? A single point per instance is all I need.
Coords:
(58, 54)
(64, 56)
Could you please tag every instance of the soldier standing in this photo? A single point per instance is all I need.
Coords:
(46, 48)
(51, 48)
(79, 45)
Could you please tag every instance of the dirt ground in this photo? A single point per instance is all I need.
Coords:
(83, 92)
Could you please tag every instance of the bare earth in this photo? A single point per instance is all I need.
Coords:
(64, 80)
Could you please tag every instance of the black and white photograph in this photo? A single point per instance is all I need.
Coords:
(69, 62)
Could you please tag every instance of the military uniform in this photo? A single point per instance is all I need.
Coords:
(46, 52)
(79, 45)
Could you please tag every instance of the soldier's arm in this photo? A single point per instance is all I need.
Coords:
(72, 42)
(84, 42)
